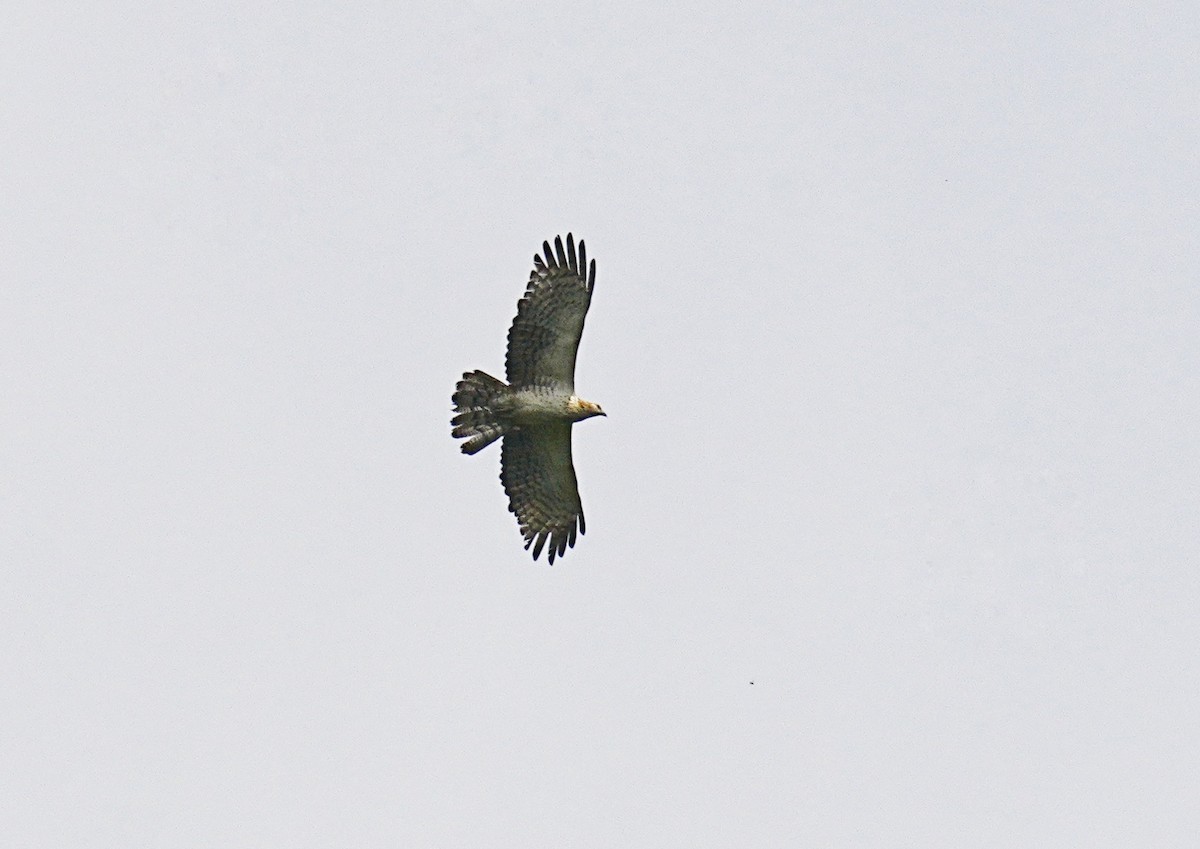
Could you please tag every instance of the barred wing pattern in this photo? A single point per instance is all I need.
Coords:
(537, 473)
(545, 334)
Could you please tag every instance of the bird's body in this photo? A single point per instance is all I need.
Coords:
(534, 412)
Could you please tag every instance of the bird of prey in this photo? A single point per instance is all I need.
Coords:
(535, 410)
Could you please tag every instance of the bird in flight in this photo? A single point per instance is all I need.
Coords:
(535, 410)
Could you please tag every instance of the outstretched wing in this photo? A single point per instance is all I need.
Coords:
(545, 334)
(536, 470)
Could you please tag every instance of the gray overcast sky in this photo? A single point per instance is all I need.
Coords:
(892, 524)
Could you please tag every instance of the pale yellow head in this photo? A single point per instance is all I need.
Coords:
(579, 409)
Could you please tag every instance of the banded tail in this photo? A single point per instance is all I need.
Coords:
(476, 420)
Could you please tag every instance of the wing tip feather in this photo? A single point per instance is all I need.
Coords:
(573, 257)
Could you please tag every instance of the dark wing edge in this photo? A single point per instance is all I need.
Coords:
(539, 478)
(544, 337)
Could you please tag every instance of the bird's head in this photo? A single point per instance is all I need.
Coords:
(581, 409)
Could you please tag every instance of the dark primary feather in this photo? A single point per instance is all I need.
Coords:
(544, 337)
(539, 478)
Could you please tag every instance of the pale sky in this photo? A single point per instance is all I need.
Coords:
(892, 524)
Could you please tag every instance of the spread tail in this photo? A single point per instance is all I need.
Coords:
(476, 420)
